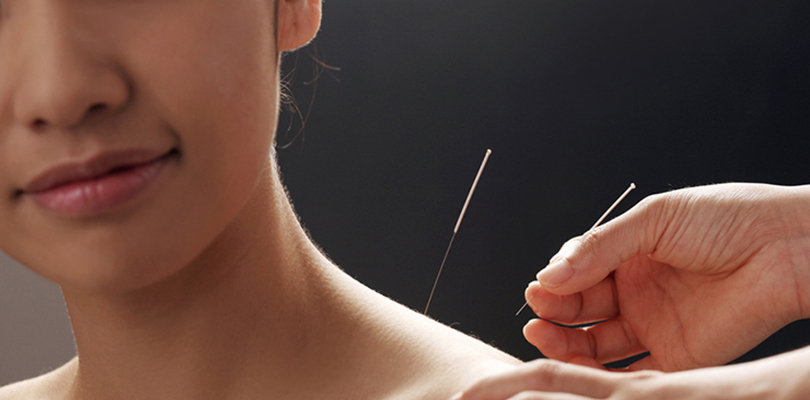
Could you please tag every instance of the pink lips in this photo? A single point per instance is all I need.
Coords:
(99, 184)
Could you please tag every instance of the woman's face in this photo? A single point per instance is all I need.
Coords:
(131, 131)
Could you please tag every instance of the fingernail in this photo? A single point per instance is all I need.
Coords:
(457, 396)
(555, 274)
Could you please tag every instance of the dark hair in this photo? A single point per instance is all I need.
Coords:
(289, 106)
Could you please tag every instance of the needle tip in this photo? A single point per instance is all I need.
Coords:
(521, 308)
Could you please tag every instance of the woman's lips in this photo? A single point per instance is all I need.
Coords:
(101, 184)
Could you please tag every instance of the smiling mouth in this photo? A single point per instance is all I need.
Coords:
(98, 185)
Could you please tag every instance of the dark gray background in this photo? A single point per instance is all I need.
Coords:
(575, 98)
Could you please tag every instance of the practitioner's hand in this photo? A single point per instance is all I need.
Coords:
(697, 277)
(775, 378)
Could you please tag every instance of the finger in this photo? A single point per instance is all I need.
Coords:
(594, 304)
(605, 342)
(534, 395)
(569, 246)
(635, 367)
(587, 362)
(547, 396)
(648, 363)
(584, 261)
(591, 363)
(544, 376)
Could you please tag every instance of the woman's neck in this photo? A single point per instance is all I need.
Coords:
(259, 308)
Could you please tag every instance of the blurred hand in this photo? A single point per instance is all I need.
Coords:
(775, 378)
(697, 277)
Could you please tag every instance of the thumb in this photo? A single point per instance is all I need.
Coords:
(586, 260)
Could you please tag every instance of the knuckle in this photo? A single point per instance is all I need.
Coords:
(590, 243)
(591, 238)
(654, 217)
(545, 374)
(654, 200)
(658, 205)
(635, 385)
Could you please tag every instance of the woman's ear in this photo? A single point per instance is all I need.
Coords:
(297, 22)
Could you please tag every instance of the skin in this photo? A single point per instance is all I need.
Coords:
(696, 277)
(204, 285)
(783, 377)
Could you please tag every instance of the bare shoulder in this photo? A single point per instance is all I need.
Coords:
(464, 361)
(448, 361)
(54, 385)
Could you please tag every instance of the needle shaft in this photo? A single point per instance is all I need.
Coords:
(458, 224)
(602, 218)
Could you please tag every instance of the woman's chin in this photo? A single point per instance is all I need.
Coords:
(104, 276)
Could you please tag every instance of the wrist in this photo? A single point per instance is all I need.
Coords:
(797, 212)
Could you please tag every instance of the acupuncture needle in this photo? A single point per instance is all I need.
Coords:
(602, 218)
(458, 223)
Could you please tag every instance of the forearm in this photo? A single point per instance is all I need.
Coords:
(789, 373)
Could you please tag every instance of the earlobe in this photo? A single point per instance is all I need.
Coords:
(297, 22)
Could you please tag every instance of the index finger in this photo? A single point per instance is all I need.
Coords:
(543, 375)
(585, 261)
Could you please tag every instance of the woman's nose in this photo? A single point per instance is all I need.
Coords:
(64, 75)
